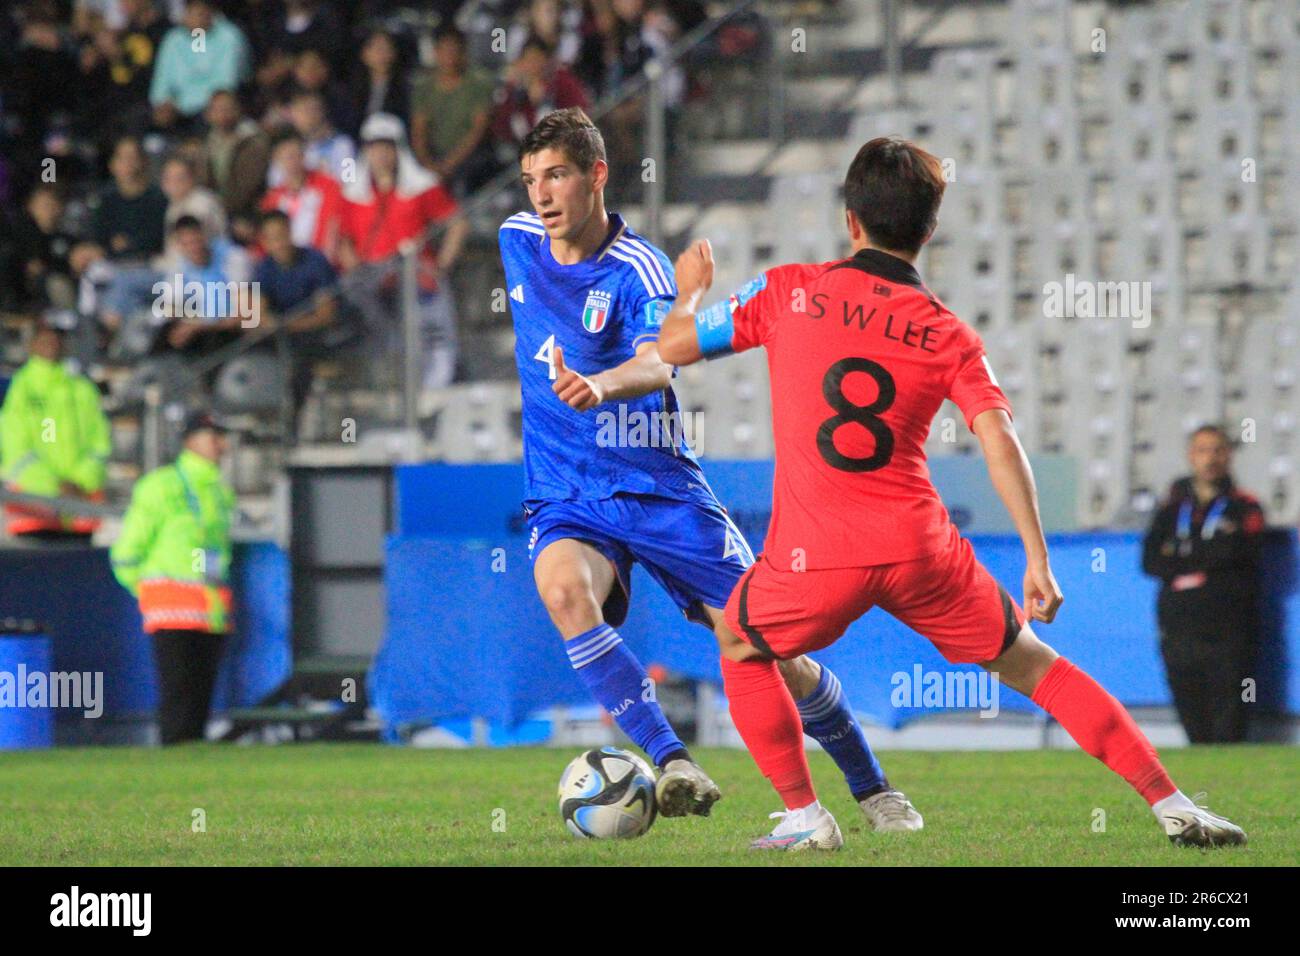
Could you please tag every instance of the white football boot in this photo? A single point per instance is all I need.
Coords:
(804, 829)
(1197, 826)
(683, 787)
(891, 812)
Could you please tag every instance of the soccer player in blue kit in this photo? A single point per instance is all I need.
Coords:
(585, 289)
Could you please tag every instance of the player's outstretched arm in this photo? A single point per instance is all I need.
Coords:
(679, 343)
(1014, 482)
(640, 375)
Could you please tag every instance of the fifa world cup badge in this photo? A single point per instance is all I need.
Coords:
(596, 311)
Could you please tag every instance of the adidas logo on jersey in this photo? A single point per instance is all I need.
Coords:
(517, 293)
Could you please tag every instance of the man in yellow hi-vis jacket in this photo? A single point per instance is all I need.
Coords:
(174, 555)
(54, 441)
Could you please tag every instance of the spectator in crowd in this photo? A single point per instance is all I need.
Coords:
(41, 90)
(451, 116)
(536, 84)
(143, 31)
(177, 512)
(312, 74)
(36, 255)
(273, 88)
(130, 213)
(626, 35)
(326, 148)
(54, 441)
(185, 197)
(114, 77)
(209, 301)
(390, 208)
(193, 66)
(118, 289)
(295, 278)
(296, 26)
(310, 199)
(381, 85)
(556, 23)
(1204, 546)
(239, 153)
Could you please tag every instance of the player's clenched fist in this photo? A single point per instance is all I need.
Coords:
(577, 391)
(1042, 594)
(694, 268)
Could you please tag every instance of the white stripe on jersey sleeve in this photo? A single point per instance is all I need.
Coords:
(639, 266)
(655, 282)
(525, 222)
(656, 267)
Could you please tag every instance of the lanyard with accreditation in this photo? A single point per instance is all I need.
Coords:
(211, 555)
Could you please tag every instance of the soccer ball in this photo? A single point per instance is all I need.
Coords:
(607, 794)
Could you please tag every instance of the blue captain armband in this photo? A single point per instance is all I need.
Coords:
(714, 329)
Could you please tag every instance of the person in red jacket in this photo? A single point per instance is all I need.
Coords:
(390, 204)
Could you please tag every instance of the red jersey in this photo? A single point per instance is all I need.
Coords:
(861, 356)
(314, 211)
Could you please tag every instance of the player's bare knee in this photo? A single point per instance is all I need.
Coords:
(740, 651)
(569, 601)
(800, 674)
(1022, 665)
(733, 648)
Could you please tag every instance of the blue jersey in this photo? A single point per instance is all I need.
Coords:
(598, 312)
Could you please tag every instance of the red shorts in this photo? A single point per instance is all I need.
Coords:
(947, 597)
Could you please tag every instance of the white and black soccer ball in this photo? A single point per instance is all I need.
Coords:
(607, 794)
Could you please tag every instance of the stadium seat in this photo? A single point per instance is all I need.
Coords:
(1045, 107)
(730, 231)
(479, 422)
(250, 383)
(1218, 21)
(808, 208)
(1042, 22)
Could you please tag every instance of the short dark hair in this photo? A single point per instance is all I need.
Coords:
(535, 42)
(283, 134)
(187, 222)
(447, 30)
(274, 215)
(182, 160)
(227, 91)
(894, 188)
(1210, 428)
(572, 132)
(122, 140)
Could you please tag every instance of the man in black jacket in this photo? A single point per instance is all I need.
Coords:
(1204, 545)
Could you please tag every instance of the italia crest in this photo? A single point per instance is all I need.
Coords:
(596, 312)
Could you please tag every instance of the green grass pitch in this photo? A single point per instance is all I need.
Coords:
(341, 804)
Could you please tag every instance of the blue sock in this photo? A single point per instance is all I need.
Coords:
(828, 719)
(618, 681)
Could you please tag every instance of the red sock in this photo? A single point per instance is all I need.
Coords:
(768, 721)
(1101, 726)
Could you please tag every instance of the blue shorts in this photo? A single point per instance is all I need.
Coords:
(694, 550)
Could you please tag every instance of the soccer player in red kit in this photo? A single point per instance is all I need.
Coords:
(861, 355)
